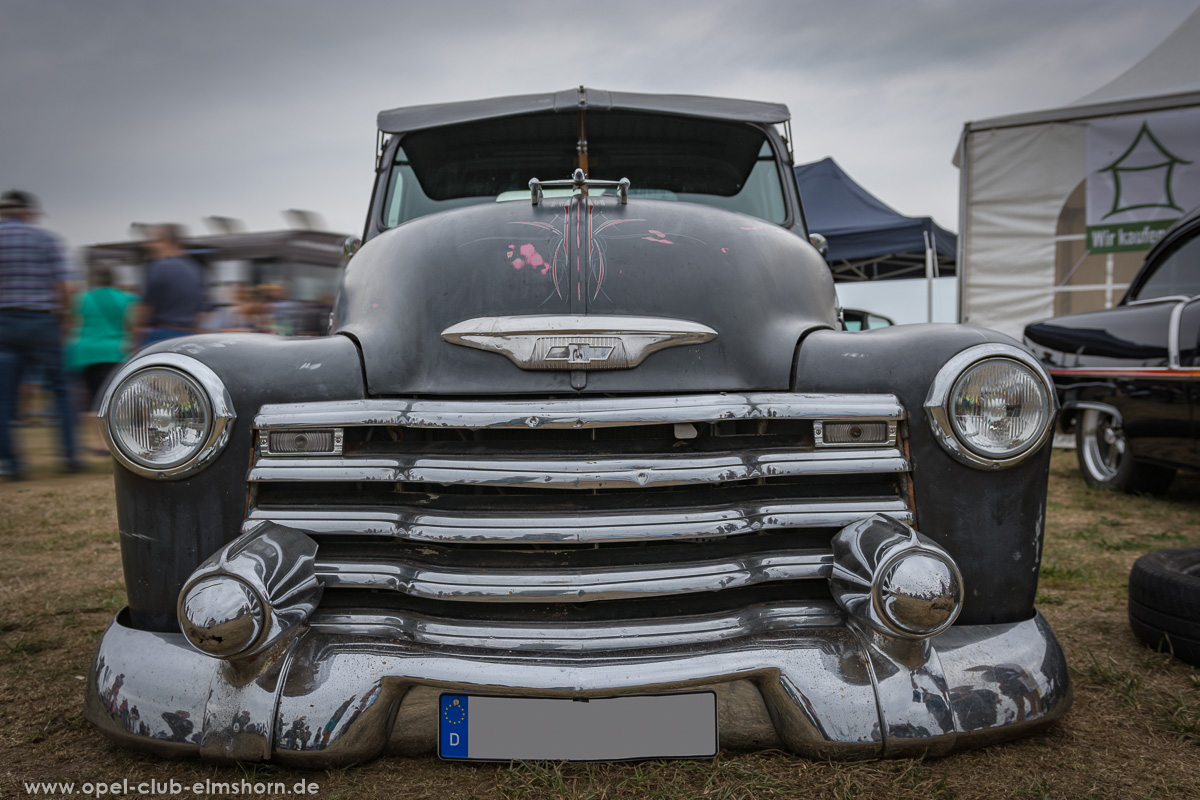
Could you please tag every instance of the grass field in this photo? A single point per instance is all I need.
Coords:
(1134, 731)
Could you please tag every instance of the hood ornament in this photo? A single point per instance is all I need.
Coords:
(580, 183)
(576, 342)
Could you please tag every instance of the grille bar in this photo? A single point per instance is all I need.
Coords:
(580, 412)
(576, 585)
(582, 473)
(548, 528)
(583, 636)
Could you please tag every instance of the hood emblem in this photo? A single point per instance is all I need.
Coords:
(576, 342)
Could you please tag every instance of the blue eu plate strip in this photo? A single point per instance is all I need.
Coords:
(453, 726)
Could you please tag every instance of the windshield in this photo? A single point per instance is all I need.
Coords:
(723, 164)
(1177, 275)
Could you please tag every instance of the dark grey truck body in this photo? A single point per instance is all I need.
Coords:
(586, 447)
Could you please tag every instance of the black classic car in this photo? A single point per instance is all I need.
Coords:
(586, 469)
(1129, 377)
(856, 319)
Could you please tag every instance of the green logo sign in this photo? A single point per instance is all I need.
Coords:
(1125, 164)
(1143, 178)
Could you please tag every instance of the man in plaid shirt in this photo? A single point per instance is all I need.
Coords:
(35, 279)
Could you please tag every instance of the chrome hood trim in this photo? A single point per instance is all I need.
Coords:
(566, 342)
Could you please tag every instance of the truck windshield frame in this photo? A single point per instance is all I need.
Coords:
(712, 162)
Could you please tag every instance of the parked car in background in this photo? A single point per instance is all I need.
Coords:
(1128, 378)
(587, 469)
(856, 319)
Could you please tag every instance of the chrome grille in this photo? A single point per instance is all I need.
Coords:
(459, 517)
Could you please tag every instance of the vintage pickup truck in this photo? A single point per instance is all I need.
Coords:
(586, 469)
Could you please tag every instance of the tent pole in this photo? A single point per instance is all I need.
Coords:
(929, 268)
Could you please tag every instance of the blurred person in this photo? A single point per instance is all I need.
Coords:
(173, 295)
(35, 400)
(242, 315)
(101, 342)
(35, 297)
(279, 313)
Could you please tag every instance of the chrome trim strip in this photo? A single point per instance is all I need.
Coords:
(590, 412)
(1171, 298)
(937, 401)
(574, 585)
(621, 342)
(582, 473)
(1134, 373)
(555, 637)
(220, 403)
(616, 526)
(1174, 360)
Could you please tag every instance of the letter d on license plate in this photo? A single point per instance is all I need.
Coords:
(605, 729)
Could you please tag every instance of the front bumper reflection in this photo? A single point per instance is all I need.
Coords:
(327, 698)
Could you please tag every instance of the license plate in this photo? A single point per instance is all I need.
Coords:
(481, 727)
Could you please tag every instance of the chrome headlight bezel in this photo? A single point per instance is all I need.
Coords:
(941, 396)
(211, 389)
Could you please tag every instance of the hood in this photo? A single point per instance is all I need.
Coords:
(1132, 332)
(592, 262)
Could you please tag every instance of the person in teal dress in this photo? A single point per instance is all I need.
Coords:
(105, 316)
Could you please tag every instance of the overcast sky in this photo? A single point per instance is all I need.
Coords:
(122, 111)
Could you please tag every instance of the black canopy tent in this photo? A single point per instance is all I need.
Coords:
(867, 239)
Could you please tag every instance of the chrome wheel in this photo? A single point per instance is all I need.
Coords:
(1107, 459)
(1102, 446)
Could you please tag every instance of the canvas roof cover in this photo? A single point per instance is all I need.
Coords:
(867, 238)
(412, 118)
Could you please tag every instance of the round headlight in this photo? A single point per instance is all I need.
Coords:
(159, 418)
(998, 408)
(166, 415)
(991, 405)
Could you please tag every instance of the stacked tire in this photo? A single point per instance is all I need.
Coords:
(1164, 602)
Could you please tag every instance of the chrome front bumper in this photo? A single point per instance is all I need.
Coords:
(333, 696)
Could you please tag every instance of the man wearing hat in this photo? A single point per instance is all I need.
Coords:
(35, 280)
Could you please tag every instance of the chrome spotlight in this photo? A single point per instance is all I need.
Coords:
(251, 593)
(895, 580)
(222, 616)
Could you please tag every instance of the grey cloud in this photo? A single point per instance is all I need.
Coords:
(133, 110)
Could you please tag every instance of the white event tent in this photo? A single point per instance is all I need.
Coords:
(1025, 215)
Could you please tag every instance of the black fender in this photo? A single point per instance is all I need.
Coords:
(990, 521)
(168, 527)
